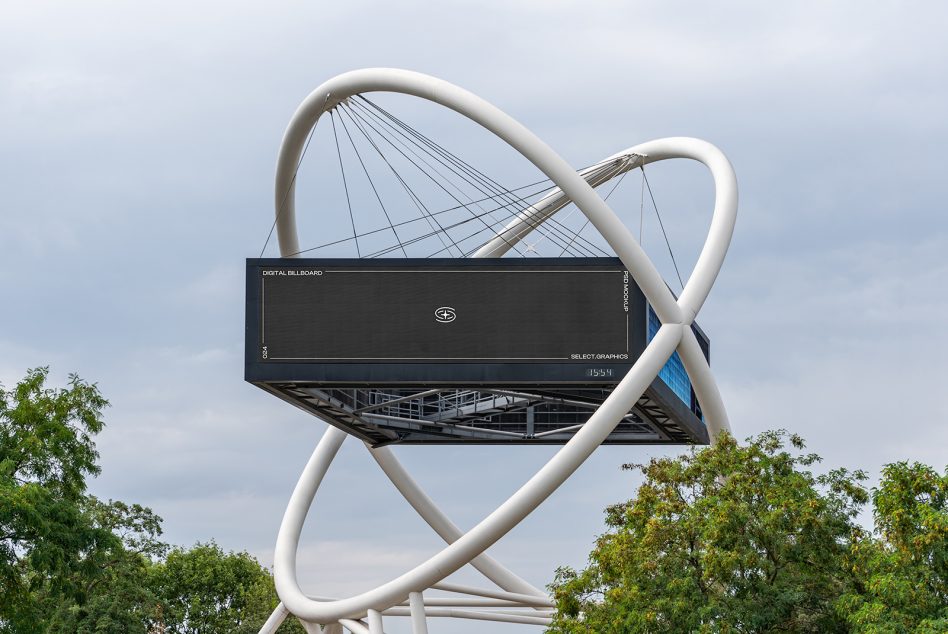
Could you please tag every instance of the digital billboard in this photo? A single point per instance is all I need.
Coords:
(506, 350)
(416, 315)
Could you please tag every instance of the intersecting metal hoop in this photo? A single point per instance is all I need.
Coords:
(676, 317)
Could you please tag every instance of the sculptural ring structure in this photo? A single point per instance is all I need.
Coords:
(403, 596)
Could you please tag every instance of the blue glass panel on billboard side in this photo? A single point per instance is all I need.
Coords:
(673, 373)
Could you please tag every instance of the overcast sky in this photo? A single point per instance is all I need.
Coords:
(137, 145)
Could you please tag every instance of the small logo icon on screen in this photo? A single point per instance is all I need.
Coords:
(445, 315)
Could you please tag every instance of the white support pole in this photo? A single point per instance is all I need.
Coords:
(276, 619)
(705, 387)
(354, 626)
(375, 622)
(419, 624)
(497, 616)
(522, 599)
(312, 628)
(443, 526)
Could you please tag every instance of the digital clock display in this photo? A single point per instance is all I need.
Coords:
(600, 373)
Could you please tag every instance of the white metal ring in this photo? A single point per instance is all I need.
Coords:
(675, 333)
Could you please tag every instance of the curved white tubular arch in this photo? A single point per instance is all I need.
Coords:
(722, 220)
(482, 536)
(709, 262)
(704, 385)
(676, 317)
(551, 202)
(444, 527)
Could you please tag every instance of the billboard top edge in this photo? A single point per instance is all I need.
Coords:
(428, 262)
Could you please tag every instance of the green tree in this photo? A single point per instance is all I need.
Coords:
(203, 590)
(902, 572)
(117, 599)
(46, 453)
(70, 563)
(732, 538)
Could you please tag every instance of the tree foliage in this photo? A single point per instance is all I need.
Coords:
(902, 573)
(70, 563)
(46, 453)
(116, 596)
(745, 538)
(204, 589)
(732, 538)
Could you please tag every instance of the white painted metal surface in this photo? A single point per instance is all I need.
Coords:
(401, 596)
(419, 623)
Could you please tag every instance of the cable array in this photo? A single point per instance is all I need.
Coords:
(481, 205)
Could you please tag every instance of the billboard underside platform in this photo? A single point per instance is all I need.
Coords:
(501, 416)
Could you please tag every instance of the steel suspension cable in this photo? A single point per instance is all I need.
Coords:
(345, 185)
(493, 191)
(424, 147)
(439, 158)
(428, 235)
(586, 224)
(555, 226)
(372, 184)
(662, 225)
(482, 177)
(411, 194)
(414, 220)
(351, 112)
(289, 188)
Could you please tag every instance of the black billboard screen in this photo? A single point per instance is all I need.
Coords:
(442, 321)
(404, 311)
